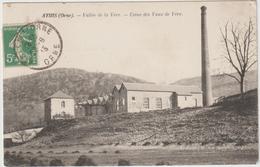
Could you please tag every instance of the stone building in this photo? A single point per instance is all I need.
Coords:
(136, 97)
(59, 106)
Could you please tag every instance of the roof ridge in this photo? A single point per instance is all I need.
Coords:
(181, 89)
(59, 94)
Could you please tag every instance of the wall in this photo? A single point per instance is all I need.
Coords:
(95, 109)
(122, 96)
(198, 96)
(185, 101)
(56, 107)
(137, 104)
(47, 110)
(193, 100)
(115, 98)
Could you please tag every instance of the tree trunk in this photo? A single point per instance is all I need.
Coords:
(242, 88)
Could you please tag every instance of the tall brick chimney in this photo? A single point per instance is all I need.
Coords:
(205, 65)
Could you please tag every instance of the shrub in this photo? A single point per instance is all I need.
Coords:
(133, 144)
(166, 143)
(56, 162)
(240, 142)
(116, 144)
(20, 152)
(13, 152)
(39, 152)
(83, 160)
(123, 162)
(204, 143)
(36, 162)
(14, 160)
(65, 152)
(7, 154)
(219, 143)
(117, 151)
(104, 151)
(162, 163)
(147, 143)
(90, 151)
(50, 152)
(29, 152)
(74, 152)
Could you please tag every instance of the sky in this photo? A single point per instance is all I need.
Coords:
(160, 49)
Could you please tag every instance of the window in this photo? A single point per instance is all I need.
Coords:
(117, 105)
(185, 98)
(146, 103)
(133, 98)
(159, 103)
(63, 104)
(123, 101)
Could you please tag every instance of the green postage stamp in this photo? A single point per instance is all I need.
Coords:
(27, 46)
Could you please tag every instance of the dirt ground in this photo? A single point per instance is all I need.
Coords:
(145, 155)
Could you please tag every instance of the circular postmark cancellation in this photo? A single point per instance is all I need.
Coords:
(38, 45)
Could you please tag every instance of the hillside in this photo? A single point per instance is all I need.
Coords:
(215, 125)
(24, 95)
(223, 85)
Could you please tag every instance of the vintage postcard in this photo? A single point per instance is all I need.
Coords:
(130, 83)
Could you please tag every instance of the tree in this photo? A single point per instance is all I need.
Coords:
(22, 136)
(239, 43)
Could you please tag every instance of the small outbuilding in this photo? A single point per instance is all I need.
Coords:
(59, 106)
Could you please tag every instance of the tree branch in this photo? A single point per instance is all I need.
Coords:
(232, 76)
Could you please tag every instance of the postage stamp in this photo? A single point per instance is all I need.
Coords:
(37, 45)
(28, 46)
(140, 83)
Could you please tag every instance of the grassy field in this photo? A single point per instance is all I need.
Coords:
(143, 155)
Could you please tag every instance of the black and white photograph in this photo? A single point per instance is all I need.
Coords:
(130, 83)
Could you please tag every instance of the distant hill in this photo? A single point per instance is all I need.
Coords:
(224, 85)
(23, 96)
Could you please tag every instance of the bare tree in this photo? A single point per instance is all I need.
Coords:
(22, 136)
(239, 43)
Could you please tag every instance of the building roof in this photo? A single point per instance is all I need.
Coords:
(96, 101)
(60, 95)
(179, 89)
(116, 88)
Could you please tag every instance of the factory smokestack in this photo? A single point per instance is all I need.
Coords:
(205, 65)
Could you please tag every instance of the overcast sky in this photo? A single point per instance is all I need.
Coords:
(157, 49)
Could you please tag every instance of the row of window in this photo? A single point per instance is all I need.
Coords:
(146, 103)
(158, 103)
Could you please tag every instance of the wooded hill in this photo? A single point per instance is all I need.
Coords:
(24, 95)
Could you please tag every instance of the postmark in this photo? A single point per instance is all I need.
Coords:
(41, 41)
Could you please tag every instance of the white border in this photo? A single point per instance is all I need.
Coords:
(52, 1)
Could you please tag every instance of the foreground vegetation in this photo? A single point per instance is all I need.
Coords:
(132, 155)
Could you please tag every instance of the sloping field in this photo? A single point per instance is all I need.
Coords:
(215, 125)
(224, 134)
